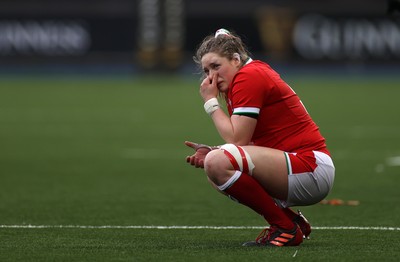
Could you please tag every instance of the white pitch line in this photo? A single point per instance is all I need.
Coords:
(190, 227)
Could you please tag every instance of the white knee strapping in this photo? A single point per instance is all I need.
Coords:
(230, 181)
(239, 158)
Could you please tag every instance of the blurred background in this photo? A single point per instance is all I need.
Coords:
(130, 36)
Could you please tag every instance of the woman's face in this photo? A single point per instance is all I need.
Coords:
(213, 63)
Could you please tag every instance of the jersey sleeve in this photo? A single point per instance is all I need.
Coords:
(247, 95)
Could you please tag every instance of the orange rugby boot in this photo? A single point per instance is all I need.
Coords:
(276, 237)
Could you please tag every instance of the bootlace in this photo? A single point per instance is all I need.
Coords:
(263, 236)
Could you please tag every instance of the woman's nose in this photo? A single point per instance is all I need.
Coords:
(213, 73)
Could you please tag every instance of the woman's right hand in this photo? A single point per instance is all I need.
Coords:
(208, 88)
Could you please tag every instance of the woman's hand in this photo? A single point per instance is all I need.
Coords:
(197, 159)
(208, 88)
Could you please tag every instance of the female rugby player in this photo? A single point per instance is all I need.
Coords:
(274, 156)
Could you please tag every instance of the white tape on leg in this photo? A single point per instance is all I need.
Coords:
(239, 158)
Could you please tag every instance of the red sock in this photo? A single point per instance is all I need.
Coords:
(290, 213)
(250, 193)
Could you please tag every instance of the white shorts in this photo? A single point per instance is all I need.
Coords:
(311, 176)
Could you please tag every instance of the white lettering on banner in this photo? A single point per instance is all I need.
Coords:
(174, 23)
(160, 32)
(320, 37)
(149, 24)
(50, 38)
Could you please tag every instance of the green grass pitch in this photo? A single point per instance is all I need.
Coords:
(109, 152)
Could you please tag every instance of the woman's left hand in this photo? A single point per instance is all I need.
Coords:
(197, 159)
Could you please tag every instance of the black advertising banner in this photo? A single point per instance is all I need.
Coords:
(157, 34)
(57, 36)
(283, 34)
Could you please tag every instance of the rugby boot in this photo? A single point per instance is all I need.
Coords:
(277, 237)
(303, 223)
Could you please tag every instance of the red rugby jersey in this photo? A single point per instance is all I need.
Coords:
(282, 121)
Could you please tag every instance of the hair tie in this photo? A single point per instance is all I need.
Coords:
(222, 31)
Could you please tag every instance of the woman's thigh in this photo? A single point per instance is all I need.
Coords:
(270, 170)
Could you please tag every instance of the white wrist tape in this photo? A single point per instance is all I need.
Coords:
(211, 105)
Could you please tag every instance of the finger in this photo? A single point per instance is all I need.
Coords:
(205, 80)
(197, 163)
(191, 144)
(215, 78)
(211, 79)
(201, 163)
(190, 160)
(188, 143)
(193, 160)
(205, 85)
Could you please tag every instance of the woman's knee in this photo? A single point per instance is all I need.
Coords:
(217, 167)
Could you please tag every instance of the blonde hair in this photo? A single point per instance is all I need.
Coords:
(225, 45)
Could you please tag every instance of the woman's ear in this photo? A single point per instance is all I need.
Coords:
(237, 59)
